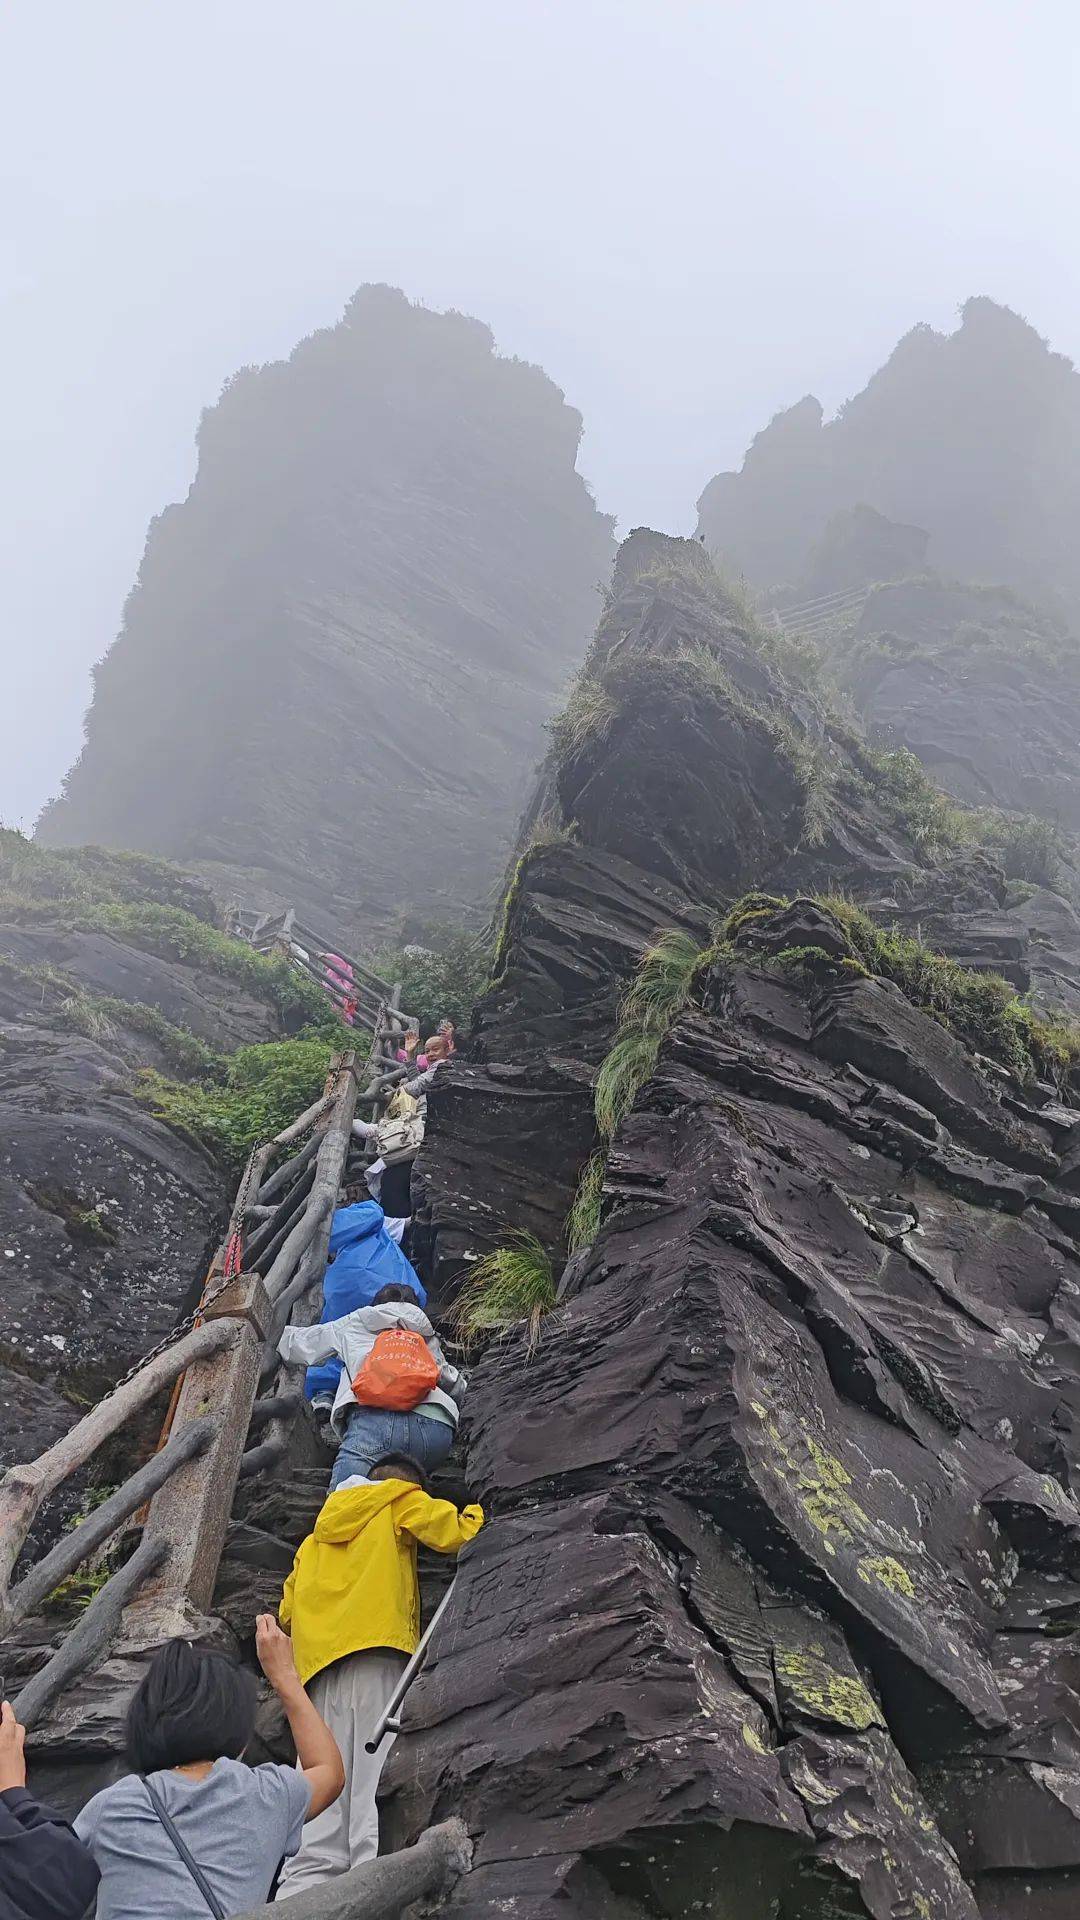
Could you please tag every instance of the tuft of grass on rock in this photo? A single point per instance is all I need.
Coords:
(631, 1061)
(514, 1283)
(982, 1009)
(661, 986)
(583, 1219)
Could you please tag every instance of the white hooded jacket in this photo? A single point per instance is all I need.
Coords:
(352, 1339)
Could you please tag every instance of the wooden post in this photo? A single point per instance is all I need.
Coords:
(191, 1512)
(386, 1888)
(24, 1487)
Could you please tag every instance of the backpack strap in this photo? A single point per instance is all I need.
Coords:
(182, 1849)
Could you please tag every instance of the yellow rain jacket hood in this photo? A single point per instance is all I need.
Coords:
(353, 1583)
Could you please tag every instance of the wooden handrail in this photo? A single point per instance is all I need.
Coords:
(26, 1485)
(76, 1546)
(383, 1888)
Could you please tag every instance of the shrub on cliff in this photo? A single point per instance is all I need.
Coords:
(264, 1088)
(30, 872)
(442, 976)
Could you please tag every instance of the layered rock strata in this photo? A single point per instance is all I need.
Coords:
(772, 1617)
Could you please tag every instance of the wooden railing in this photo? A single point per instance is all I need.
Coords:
(812, 618)
(230, 1393)
(358, 999)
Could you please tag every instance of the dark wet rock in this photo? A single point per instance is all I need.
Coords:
(107, 1216)
(774, 1612)
(203, 1003)
(982, 688)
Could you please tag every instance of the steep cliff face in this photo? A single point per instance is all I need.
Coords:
(109, 966)
(338, 659)
(772, 1618)
(977, 683)
(974, 436)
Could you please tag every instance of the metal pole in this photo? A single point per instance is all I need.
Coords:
(389, 1720)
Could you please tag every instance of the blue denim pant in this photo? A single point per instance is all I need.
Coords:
(373, 1431)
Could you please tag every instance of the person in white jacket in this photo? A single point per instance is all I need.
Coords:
(426, 1433)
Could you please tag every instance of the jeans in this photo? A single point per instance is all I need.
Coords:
(375, 1431)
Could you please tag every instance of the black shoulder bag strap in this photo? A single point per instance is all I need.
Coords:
(192, 1866)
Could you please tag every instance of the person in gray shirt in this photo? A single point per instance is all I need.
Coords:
(194, 1830)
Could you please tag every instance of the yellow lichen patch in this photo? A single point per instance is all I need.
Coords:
(887, 1572)
(819, 1480)
(921, 1905)
(822, 1484)
(753, 1739)
(824, 1693)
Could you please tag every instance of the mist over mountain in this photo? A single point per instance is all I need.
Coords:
(335, 666)
(973, 436)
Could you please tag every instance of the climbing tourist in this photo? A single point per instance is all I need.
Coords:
(397, 1138)
(352, 1604)
(192, 1812)
(436, 1050)
(396, 1391)
(340, 983)
(363, 1256)
(45, 1871)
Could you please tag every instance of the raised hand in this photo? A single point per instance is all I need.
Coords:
(12, 1741)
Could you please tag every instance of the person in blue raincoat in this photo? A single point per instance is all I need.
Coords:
(363, 1258)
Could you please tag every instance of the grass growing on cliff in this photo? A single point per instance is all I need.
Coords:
(263, 1090)
(604, 691)
(624, 1072)
(652, 1003)
(30, 872)
(1028, 848)
(175, 935)
(981, 1009)
(661, 985)
(583, 1219)
(514, 1283)
(546, 833)
(99, 1015)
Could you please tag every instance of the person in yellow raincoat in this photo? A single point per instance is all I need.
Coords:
(352, 1605)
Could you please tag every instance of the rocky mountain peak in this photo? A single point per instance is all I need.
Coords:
(351, 632)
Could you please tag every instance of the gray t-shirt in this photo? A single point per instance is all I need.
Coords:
(237, 1823)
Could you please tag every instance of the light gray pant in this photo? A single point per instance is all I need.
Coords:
(350, 1695)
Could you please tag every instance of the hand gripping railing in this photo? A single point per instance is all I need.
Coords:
(272, 1256)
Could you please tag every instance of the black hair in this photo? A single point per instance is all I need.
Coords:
(190, 1705)
(395, 1290)
(399, 1466)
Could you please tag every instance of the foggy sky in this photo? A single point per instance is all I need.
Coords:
(689, 214)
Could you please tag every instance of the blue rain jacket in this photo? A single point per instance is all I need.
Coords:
(365, 1260)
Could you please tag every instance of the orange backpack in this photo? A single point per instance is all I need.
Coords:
(398, 1373)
